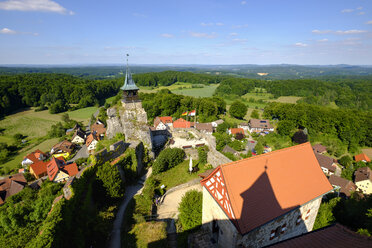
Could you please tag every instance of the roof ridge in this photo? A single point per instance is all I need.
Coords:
(265, 154)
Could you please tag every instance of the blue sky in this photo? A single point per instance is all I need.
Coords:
(186, 32)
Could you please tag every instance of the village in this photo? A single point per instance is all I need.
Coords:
(251, 198)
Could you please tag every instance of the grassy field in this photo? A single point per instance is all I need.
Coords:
(286, 99)
(16, 161)
(368, 152)
(83, 114)
(186, 89)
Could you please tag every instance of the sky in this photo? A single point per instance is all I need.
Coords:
(306, 32)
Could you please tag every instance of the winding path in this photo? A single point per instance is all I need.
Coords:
(130, 191)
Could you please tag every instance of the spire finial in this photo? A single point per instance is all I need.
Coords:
(127, 60)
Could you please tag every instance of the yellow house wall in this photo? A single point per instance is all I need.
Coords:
(365, 186)
(60, 177)
(64, 155)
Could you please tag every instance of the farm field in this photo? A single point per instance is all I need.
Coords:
(286, 99)
(16, 161)
(368, 152)
(83, 114)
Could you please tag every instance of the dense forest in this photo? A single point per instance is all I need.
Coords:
(58, 92)
(345, 92)
(353, 128)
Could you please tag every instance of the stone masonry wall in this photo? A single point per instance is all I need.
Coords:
(215, 158)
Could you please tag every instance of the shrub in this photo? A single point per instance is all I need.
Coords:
(285, 127)
(190, 210)
(203, 154)
(345, 161)
(111, 180)
(168, 158)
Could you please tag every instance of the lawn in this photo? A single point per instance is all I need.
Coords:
(83, 114)
(44, 146)
(206, 91)
(179, 174)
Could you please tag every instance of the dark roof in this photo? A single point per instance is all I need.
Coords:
(11, 185)
(79, 133)
(334, 236)
(65, 146)
(204, 127)
(325, 162)
(98, 129)
(345, 185)
(206, 173)
(257, 123)
(362, 174)
(318, 148)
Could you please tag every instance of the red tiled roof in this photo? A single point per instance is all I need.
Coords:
(90, 139)
(236, 130)
(53, 167)
(361, 157)
(39, 168)
(98, 129)
(166, 119)
(267, 186)
(71, 169)
(181, 123)
(334, 236)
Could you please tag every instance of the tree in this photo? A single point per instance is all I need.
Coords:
(65, 118)
(285, 127)
(259, 148)
(167, 159)
(203, 154)
(238, 109)
(325, 216)
(190, 210)
(255, 114)
(111, 180)
(345, 161)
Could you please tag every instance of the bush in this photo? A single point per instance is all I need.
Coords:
(285, 127)
(238, 109)
(255, 114)
(203, 154)
(168, 158)
(345, 161)
(190, 210)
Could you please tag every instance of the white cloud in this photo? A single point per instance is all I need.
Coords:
(243, 2)
(204, 24)
(34, 5)
(203, 35)
(167, 35)
(7, 31)
(353, 31)
(240, 40)
(299, 44)
(316, 31)
(369, 22)
(347, 10)
(233, 34)
(340, 32)
(323, 40)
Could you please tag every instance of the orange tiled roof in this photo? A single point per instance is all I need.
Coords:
(90, 139)
(361, 157)
(39, 168)
(166, 119)
(53, 167)
(236, 130)
(181, 123)
(98, 129)
(71, 169)
(264, 187)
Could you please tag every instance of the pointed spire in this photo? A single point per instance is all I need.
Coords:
(129, 83)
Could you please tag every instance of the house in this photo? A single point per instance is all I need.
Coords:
(234, 131)
(327, 164)
(98, 129)
(33, 157)
(362, 157)
(78, 137)
(258, 126)
(318, 148)
(264, 199)
(346, 186)
(333, 236)
(216, 123)
(166, 120)
(181, 123)
(91, 142)
(228, 149)
(243, 125)
(204, 127)
(62, 149)
(59, 171)
(363, 179)
(11, 185)
(39, 169)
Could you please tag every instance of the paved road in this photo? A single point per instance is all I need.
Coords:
(130, 191)
(82, 153)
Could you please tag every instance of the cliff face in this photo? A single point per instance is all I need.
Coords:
(131, 120)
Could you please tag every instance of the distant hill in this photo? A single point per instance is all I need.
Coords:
(267, 72)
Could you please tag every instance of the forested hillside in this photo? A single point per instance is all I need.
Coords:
(55, 91)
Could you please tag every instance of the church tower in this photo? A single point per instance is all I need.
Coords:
(130, 89)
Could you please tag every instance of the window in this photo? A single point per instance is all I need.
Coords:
(279, 230)
(307, 214)
(298, 221)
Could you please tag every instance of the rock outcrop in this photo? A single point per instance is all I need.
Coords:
(130, 119)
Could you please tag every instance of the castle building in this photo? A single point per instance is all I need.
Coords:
(265, 199)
